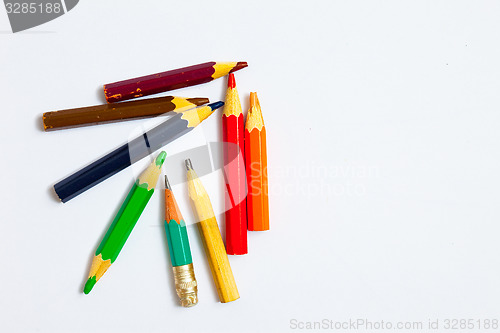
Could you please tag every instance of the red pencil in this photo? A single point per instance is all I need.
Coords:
(234, 167)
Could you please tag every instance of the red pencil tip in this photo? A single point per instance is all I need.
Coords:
(231, 83)
(239, 65)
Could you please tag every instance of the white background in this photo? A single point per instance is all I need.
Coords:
(383, 142)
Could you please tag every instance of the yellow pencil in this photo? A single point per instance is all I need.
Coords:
(212, 240)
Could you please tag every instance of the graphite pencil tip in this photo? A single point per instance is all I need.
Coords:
(231, 83)
(216, 105)
(239, 65)
(167, 184)
(189, 166)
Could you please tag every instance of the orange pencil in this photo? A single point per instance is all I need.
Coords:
(256, 166)
(233, 132)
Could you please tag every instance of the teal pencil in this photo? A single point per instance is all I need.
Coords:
(180, 253)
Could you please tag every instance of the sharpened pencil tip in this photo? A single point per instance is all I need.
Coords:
(198, 100)
(253, 99)
(89, 285)
(161, 158)
(216, 105)
(231, 82)
(167, 184)
(239, 65)
(189, 166)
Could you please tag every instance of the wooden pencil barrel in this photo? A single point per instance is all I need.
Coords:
(212, 240)
(169, 80)
(131, 152)
(218, 261)
(110, 113)
(256, 166)
(233, 129)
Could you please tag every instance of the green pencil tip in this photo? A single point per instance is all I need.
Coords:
(161, 158)
(89, 285)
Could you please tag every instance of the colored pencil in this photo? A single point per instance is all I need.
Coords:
(212, 240)
(110, 113)
(170, 80)
(256, 167)
(124, 222)
(180, 252)
(234, 169)
(124, 156)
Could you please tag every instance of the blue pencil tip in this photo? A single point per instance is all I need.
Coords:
(216, 105)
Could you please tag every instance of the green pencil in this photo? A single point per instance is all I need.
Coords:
(124, 222)
(180, 253)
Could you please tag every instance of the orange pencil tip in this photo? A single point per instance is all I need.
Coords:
(231, 83)
(254, 101)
